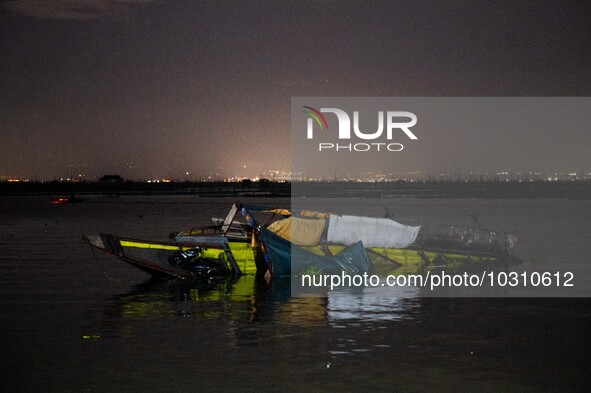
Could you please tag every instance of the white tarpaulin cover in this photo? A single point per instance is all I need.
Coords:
(373, 232)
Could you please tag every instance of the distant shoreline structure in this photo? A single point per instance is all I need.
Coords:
(270, 189)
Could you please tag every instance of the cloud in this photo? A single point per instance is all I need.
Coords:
(73, 9)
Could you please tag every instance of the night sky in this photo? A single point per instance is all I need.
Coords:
(154, 89)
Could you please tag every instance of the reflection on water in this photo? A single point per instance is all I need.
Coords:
(243, 304)
(373, 304)
(255, 295)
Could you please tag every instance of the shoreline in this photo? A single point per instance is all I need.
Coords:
(457, 189)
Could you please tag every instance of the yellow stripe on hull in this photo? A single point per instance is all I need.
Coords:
(155, 246)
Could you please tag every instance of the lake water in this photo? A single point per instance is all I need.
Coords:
(77, 321)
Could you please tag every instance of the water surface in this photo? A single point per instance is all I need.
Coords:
(73, 321)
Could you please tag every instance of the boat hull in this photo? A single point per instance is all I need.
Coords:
(155, 257)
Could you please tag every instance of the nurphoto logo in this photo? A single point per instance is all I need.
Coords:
(397, 123)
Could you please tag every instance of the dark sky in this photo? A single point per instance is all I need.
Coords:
(157, 89)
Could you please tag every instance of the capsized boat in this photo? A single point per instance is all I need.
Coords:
(256, 239)
(392, 247)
